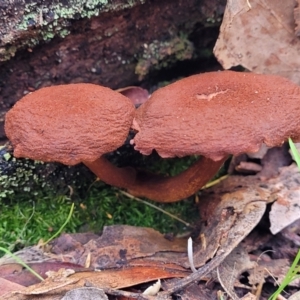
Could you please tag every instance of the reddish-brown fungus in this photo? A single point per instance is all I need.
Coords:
(214, 114)
(136, 94)
(71, 124)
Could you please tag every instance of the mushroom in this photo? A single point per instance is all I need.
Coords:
(71, 124)
(136, 94)
(214, 115)
(80, 123)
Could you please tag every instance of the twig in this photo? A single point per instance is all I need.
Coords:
(214, 182)
(173, 287)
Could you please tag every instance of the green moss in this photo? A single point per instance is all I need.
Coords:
(35, 201)
(24, 223)
(158, 55)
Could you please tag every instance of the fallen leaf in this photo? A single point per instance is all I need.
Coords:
(112, 279)
(261, 38)
(297, 18)
(277, 268)
(233, 216)
(16, 273)
(248, 167)
(292, 232)
(286, 209)
(296, 296)
(117, 246)
(7, 286)
(233, 266)
(273, 160)
(195, 292)
(85, 293)
(249, 296)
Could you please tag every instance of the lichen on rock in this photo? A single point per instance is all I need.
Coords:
(27, 23)
(27, 178)
(158, 55)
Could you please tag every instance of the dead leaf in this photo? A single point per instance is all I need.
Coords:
(261, 38)
(292, 232)
(286, 209)
(55, 281)
(296, 296)
(7, 286)
(195, 292)
(234, 265)
(117, 246)
(85, 293)
(275, 159)
(16, 273)
(234, 215)
(248, 296)
(248, 167)
(27, 255)
(277, 268)
(112, 279)
(297, 18)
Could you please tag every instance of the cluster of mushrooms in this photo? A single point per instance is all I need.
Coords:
(212, 114)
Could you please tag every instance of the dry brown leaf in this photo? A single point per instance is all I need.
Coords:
(296, 296)
(16, 273)
(234, 265)
(261, 37)
(286, 209)
(275, 267)
(292, 232)
(234, 215)
(113, 279)
(7, 286)
(85, 293)
(117, 246)
(297, 18)
(27, 255)
(248, 296)
(195, 292)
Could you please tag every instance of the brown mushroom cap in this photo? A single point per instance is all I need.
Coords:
(218, 113)
(69, 123)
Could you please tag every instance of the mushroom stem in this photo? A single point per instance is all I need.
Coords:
(110, 174)
(157, 187)
(183, 185)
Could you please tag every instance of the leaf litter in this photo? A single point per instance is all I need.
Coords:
(126, 256)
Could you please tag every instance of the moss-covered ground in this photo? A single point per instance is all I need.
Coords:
(28, 216)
